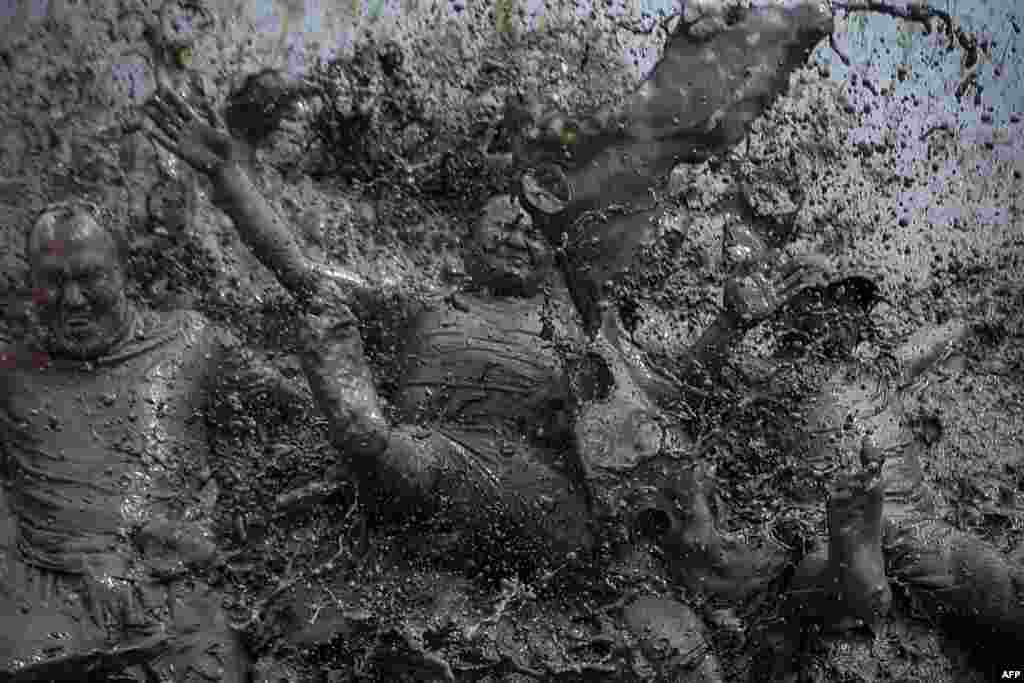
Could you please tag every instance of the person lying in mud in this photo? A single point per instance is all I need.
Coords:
(104, 448)
(697, 103)
(884, 528)
(884, 523)
(885, 531)
(958, 576)
(480, 434)
(508, 426)
(595, 183)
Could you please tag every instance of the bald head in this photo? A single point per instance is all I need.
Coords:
(66, 224)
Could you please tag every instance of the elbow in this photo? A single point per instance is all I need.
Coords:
(391, 464)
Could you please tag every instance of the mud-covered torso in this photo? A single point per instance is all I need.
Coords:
(490, 366)
(93, 451)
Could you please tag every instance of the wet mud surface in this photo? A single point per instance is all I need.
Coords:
(384, 172)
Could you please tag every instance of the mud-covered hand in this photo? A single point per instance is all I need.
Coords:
(535, 133)
(202, 141)
(763, 287)
(172, 545)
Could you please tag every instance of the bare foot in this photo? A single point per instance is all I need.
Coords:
(707, 560)
(855, 545)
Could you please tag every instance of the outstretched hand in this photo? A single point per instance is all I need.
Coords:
(203, 142)
(535, 134)
(764, 288)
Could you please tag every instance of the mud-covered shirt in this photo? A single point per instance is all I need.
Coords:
(487, 374)
(93, 451)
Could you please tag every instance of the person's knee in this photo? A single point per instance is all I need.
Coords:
(672, 635)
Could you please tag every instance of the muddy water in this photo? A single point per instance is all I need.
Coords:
(53, 50)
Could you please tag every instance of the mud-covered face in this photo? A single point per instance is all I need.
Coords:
(509, 255)
(78, 286)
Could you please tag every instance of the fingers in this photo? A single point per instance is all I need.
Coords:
(164, 118)
(172, 113)
(167, 126)
(182, 108)
(162, 140)
(163, 129)
(214, 116)
(161, 102)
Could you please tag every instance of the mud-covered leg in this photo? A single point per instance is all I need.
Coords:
(672, 636)
(847, 580)
(704, 558)
(855, 546)
(721, 69)
(837, 587)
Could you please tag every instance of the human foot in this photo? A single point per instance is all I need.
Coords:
(704, 558)
(855, 561)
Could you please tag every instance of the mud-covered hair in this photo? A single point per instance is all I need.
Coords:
(58, 212)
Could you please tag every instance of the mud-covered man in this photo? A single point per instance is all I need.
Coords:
(505, 416)
(476, 437)
(721, 68)
(483, 430)
(885, 524)
(509, 428)
(104, 438)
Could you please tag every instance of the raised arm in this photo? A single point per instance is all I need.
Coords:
(263, 230)
(334, 360)
(210, 149)
(390, 460)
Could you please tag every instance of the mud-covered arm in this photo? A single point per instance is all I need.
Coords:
(262, 230)
(207, 146)
(523, 510)
(402, 461)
